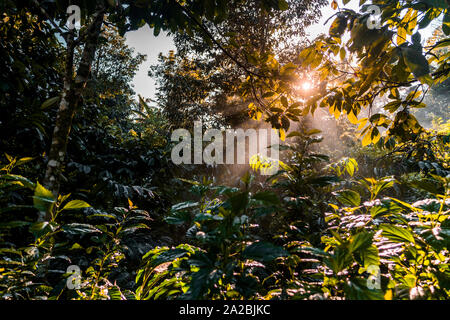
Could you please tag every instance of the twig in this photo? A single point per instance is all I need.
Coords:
(36, 3)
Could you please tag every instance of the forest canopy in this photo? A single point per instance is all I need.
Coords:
(353, 202)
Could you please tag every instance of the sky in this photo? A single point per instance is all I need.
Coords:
(145, 43)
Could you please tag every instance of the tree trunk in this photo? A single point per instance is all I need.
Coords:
(73, 89)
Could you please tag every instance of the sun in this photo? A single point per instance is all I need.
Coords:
(306, 86)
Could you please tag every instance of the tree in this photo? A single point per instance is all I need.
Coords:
(352, 75)
(30, 64)
(386, 61)
(126, 15)
(202, 81)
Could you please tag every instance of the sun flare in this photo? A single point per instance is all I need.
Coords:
(306, 85)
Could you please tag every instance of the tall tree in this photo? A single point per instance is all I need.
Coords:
(71, 95)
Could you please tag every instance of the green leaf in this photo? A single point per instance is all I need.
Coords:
(416, 61)
(267, 196)
(165, 256)
(401, 35)
(38, 226)
(76, 204)
(426, 20)
(23, 161)
(10, 159)
(43, 199)
(360, 241)
(356, 289)
(392, 106)
(114, 293)
(351, 166)
(24, 181)
(338, 26)
(133, 228)
(80, 228)
(416, 38)
(367, 138)
(294, 134)
(268, 94)
(264, 251)
(397, 234)
(370, 256)
(156, 30)
(313, 131)
(178, 218)
(284, 102)
(382, 185)
(342, 53)
(184, 206)
(407, 205)
(288, 69)
(42, 192)
(50, 102)
(349, 197)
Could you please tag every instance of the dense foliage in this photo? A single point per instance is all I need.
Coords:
(92, 207)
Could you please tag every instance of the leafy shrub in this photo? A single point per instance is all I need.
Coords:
(369, 247)
(224, 259)
(35, 265)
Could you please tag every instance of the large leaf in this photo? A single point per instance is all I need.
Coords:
(264, 251)
(43, 199)
(370, 256)
(416, 61)
(42, 192)
(178, 218)
(80, 229)
(351, 166)
(184, 206)
(397, 234)
(338, 26)
(360, 241)
(349, 197)
(76, 204)
(24, 181)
